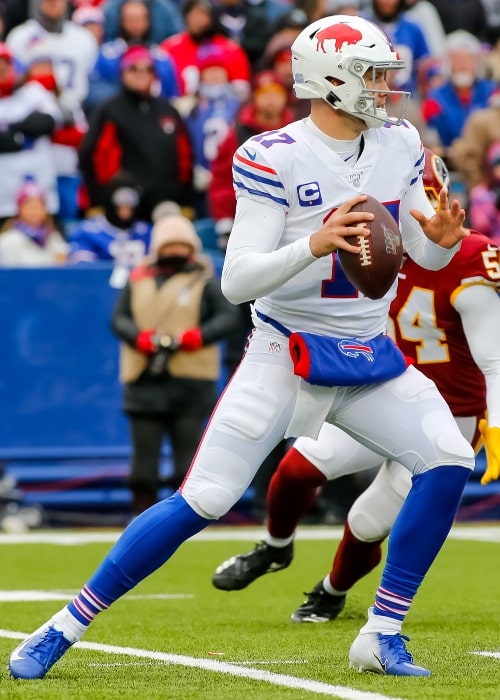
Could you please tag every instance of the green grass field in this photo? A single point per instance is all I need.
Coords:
(261, 654)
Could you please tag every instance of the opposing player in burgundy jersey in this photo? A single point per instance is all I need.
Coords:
(448, 323)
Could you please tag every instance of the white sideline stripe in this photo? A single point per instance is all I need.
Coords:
(491, 654)
(278, 679)
(221, 533)
(38, 596)
(281, 662)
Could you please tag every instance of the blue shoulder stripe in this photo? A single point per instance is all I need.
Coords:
(258, 178)
(260, 193)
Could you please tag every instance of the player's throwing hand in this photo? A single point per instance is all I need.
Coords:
(446, 226)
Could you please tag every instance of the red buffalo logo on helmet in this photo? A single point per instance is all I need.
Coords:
(341, 33)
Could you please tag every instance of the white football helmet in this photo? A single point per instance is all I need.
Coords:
(344, 48)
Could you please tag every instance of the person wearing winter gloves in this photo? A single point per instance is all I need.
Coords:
(169, 316)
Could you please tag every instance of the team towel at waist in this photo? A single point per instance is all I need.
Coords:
(345, 361)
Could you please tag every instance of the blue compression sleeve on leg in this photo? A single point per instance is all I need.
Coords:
(425, 518)
(147, 543)
(419, 533)
(417, 536)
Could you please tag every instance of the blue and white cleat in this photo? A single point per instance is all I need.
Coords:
(383, 653)
(38, 653)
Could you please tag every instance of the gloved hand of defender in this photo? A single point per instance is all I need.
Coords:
(491, 438)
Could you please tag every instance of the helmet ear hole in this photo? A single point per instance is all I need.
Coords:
(332, 99)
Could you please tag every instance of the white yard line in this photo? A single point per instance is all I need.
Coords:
(489, 533)
(18, 596)
(277, 679)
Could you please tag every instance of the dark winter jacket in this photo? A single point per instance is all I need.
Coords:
(145, 137)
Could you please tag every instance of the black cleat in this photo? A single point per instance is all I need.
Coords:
(239, 571)
(319, 606)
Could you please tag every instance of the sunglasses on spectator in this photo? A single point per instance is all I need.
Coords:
(140, 69)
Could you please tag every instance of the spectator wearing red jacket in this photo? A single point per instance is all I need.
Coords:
(140, 133)
(204, 37)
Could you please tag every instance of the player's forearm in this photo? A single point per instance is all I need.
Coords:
(253, 267)
(493, 397)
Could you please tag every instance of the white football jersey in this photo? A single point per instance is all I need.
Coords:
(294, 169)
(73, 53)
(36, 159)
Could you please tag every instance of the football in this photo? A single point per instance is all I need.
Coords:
(376, 266)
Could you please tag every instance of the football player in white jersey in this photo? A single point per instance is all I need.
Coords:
(295, 188)
(71, 48)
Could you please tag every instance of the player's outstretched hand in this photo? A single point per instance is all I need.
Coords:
(491, 439)
(446, 226)
(339, 226)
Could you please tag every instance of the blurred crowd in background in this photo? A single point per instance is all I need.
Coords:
(115, 112)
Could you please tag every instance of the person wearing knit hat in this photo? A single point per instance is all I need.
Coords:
(166, 208)
(136, 56)
(30, 190)
(174, 230)
(31, 238)
(169, 318)
(92, 19)
(87, 14)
